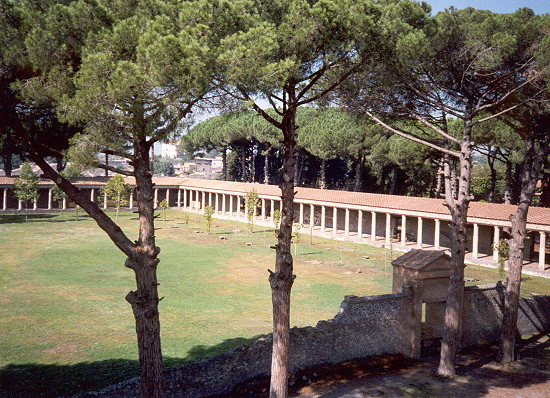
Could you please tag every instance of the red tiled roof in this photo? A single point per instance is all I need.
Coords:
(481, 210)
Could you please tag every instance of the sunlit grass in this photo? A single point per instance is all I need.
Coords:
(63, 284)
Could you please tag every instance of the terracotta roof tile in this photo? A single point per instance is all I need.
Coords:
(481, 210)
(418, 259)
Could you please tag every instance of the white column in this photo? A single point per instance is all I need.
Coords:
(475, 241)
(272, 208)
(104, 201)
(334, 220)
(542, 250)
(179, 198)
(419, 234)
(496, 242)
(203, 200)
(311, 216)
(263, 209)
(230, 206)
(92, 194)
(323, 214)
(156, 198)
(238, 206)
(360, 223)
(168, 196)
(403, 230)
(50, 191)
(185, 199)
(131, 205)
(20, 205)
(35, 204)
(388, 228)
(216, 205)
(346, 223)
(373, 226)
(301, 216)
(437, 233)
(5, 199)
(223, 204)
(64, 203)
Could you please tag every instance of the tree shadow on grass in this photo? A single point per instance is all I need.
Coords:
(42, 217)
(51, 380)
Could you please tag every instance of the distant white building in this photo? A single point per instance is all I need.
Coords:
(165, 150)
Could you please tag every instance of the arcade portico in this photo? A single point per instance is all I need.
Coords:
(403, 222)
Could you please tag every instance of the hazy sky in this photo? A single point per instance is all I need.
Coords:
(501, 6)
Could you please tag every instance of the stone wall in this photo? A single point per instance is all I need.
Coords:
(483, 314)
(364, 326)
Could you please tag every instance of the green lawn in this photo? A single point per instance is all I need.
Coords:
(67, 328)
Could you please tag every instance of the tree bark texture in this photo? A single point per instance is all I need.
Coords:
(458, 207)
(266, 165)
(224, 163)
(282, 279)
(508, 184)
(145, 299)
(323, 182)
(358, 174)
(532, 167)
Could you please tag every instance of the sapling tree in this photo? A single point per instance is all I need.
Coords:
(251, 203)
(163, 204)
(118, 191)
(296, 236)
(208, 212)
(26, 187)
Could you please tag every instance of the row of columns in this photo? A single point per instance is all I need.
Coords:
(196, 199)
(50, 200)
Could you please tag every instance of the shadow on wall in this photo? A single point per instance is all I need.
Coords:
(49, 380)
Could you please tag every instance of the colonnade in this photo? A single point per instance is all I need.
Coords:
(353, 222)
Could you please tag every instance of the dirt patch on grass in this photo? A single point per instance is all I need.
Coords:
(395, 376)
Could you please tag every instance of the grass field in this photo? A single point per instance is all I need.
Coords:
(65, 326)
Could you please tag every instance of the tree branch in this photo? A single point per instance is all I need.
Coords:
(410, 137)
(115, 233)
(115, 169)
(435, 128)
(263, 113)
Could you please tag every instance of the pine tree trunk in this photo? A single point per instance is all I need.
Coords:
(266, 165)
(224, 163)
(508, 184)
(8, 166)
(458, 207)
(532, 167)
(492, 186)
(393, 183)
(244, 177)
(145, 299)
(439, 180)
(282, 279)
(358, 174)
(323, 183)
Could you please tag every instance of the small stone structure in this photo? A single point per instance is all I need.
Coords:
(364, 326)
(426, 274)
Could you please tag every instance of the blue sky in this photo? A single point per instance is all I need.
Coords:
(500, 6)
